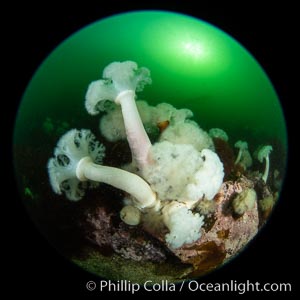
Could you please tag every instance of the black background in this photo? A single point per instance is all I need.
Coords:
(31, 32)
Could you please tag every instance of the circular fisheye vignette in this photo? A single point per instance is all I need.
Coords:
(143, 147)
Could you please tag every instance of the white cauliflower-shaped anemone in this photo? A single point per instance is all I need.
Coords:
(263, 154)
(167, 112)
(218, 133)
(188, 133)
(77, 160)
(117, 77)
(172, 169)
(180, 172)
(121, 81)
(208, 179)
(184, 226)
(71, 148)
(112, 123)
(127, 76)
(242, 146)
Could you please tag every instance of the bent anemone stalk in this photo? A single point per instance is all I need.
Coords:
(121, 81)
(77, 159)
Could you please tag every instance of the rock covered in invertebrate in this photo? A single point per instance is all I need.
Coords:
(225, 236)
(105, 229)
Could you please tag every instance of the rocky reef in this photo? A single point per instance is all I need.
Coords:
(106, 230)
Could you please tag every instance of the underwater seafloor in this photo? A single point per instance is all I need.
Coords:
(193, 66)
(61, 221)
(110, 248)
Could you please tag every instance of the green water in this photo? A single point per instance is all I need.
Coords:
(193, 65)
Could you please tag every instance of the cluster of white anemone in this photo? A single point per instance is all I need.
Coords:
(173, 175)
